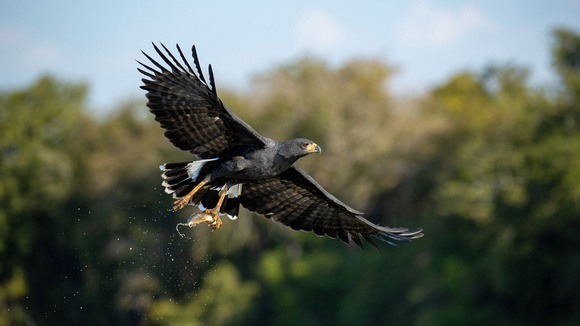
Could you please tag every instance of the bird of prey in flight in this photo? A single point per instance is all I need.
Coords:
(237, 166)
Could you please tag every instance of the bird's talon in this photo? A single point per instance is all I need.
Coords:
(179, 204)
(216, 222)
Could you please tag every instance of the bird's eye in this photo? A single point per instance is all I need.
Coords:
(304, 145)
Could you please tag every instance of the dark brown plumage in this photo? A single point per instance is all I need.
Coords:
(239, 166)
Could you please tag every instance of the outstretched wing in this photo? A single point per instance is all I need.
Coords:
(194, 117)
(294, 199)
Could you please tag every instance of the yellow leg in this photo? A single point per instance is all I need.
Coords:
(181, 202)
(221, 201)
(217, 222)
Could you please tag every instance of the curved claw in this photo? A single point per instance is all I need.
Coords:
(216, 223)
(179, 204)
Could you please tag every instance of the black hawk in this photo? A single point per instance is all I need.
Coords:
(237, 166)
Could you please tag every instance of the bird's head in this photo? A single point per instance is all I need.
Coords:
(298, 147)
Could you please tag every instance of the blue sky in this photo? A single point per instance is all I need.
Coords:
(426, 40)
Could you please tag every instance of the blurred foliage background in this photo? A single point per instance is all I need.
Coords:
(487, 164)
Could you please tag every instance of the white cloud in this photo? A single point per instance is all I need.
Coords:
(317, 30)
(427, 25)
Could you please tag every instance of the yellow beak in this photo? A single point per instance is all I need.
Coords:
(313, 148)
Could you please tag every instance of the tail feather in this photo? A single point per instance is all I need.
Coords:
(176, 180)
(176, 173)
(181, 176)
